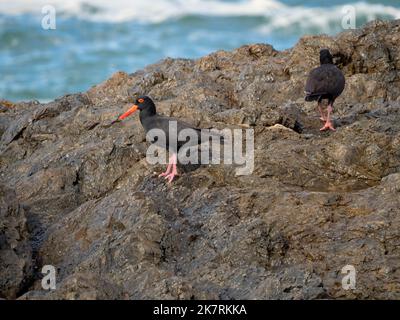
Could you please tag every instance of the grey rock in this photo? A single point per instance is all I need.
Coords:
(85, 200)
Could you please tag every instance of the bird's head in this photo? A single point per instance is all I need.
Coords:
(142, 103)
(325, 57)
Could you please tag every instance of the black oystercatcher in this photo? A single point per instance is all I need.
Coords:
(325, 82)
(151, 120)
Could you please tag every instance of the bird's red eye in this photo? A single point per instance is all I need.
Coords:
(141, 100)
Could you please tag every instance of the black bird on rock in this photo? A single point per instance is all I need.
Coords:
(151, 120)
(325, 82)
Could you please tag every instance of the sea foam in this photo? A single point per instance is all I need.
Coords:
(155, 11)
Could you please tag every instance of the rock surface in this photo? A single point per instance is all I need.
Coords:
(78, 194)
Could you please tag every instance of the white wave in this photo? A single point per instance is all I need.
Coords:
(323, 18)
(154, 11)
(142, 10)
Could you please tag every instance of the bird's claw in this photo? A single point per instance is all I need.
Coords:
(163, 174)
(170, 177)
(328, 126)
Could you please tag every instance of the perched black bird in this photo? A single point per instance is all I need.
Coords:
(151, 120)
(325, 82)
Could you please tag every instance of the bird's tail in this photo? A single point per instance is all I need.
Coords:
(310, 96)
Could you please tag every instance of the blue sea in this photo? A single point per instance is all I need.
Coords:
(94, 38)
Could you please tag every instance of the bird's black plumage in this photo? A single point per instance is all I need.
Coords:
(173, 130)
(325, 82)
(150, 119)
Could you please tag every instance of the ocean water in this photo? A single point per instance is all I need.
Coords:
(95, 38)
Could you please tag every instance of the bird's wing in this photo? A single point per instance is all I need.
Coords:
(326, 79)
(166, 124)
(164, 120)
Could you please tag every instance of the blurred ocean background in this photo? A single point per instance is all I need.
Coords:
(95, 38)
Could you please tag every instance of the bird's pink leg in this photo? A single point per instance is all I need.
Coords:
(321, 112)
(328, 123)
(168, 169)
(169, 175)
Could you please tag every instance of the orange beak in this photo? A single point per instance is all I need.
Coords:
(129, 112)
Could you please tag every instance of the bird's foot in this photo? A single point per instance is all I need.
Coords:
(322, 119)
(328, 126)
(171, 176)
(171, 171)
(169, 167)
(163, 174)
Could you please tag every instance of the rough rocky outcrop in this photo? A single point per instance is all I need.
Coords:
(78, 194)
(15, 250)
